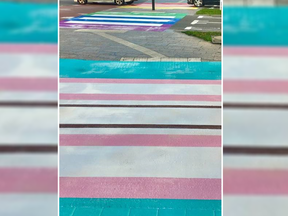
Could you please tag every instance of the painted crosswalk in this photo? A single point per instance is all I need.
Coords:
(140, 136)
(123, 21)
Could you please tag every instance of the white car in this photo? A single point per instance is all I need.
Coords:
(118, 2)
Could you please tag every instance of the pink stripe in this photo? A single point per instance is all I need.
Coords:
(139, 81)
(140, 97)
(257, 51)
(28, 180)
(28, 84)
(255, 86)
(157, 188)
(139, 140)
(256, 182)
(29, 48)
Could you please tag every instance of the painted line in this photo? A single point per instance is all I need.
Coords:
(139, 106)
(139, 81)
(261, 130)
(200, 17)
(188, 28)
(24, 203)
(194, 22)
(258, 51)
(28, 180)
(29, 103)
(91, 161)
(133, 16)
(142, 103)
(71, 68)
(263, 67)
(159, 188)
(30, 63)
(139, 203)
(145, 131)
(241, 150)
(125, 19)
(211, 127)
(256, 86)
(33, 125)
(255, 204)
(29, 160)
(28, 48)
(273, 99)
(255, 182)
(140, 97)
(257, 162)
(28, 148)
(144, 50)
(160, 8)
(113, 23)
(255, 106)
(139, 140)
(149, 116)
(143, 89)
(29, 96)
(87, 19)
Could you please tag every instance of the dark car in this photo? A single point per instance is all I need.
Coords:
(200, 3)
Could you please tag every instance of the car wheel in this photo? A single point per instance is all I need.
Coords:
(119, 2)
(82, 2)
(131, 2)
(198, 3)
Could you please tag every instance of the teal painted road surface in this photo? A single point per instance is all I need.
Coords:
(72, 68)
(255, 26)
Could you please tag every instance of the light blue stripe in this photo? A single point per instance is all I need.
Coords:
(255, 26)
(28, 22)
(138, 207)
(125, 21)
(73, 68)
(130, 17)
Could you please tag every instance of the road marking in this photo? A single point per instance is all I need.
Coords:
(194, 22)
(139, 48)
(112, 23)
(126, 19)
(200, 17)
(188, 28)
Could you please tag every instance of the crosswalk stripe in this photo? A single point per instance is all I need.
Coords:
(112, 23)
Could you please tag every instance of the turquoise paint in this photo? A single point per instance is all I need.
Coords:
(28, 22)
(255, 26)
(73, 68)
(138, 207)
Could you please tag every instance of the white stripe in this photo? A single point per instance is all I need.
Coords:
(113, 23)
(123, 19)
(194, 22)
(29, 204)
(84, 115)
(172, 162)
(255, 205)
(139, 102)
(29, 160)
(138, 131)
(255, 162)
(151, 89)
(28, 126)
(141, 16)
(28, 96)
(255, 67)
(255, 127)
(188, 28)
(256, 98)
(34, 65)
(200, 17)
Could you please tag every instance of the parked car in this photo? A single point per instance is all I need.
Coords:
(200, 3)
(118, 2)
